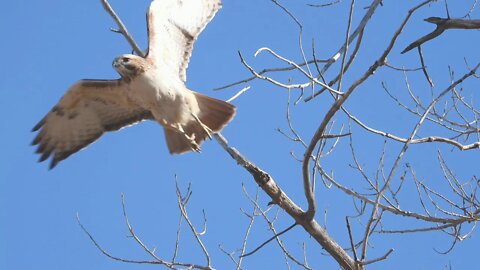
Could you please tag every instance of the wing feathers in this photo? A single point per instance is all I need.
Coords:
(173, 27)
(92, 107)
(83, 114)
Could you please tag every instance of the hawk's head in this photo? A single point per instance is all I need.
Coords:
(129, 65)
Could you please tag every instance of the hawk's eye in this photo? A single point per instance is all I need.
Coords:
(125, 60)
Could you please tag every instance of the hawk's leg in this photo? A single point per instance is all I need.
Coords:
(178, 128)
(205, 127)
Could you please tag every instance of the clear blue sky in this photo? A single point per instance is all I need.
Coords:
(48, 45)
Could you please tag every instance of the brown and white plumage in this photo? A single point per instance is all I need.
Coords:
(150, 88)
(170, 24)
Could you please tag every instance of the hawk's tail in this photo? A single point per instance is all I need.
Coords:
(214, 113)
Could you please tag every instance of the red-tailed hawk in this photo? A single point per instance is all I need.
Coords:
(150, 88)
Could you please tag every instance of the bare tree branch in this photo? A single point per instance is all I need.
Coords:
(268, 184)
(183, 211)
(122, 29)
(439, 212)
(269, 240)
(442, 25)
(157, 259)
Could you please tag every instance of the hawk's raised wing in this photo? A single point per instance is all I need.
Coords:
(89, 108)
(173, 27)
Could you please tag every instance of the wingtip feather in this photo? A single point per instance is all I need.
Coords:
(53, 164)
(38, 125)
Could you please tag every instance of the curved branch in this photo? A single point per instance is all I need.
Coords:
(338, 104)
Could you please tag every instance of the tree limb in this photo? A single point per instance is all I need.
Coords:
(442, 25)
(271, 188)
(122, 29)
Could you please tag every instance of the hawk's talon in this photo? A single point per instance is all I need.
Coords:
(193, 144)
(178, 128)
(207, 130)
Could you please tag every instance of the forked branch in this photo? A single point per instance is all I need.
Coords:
(443, 24)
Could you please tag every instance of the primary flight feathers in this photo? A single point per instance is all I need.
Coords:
(150, 88)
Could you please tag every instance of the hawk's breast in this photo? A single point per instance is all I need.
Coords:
(167, 99)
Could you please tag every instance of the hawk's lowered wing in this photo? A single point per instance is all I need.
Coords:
(89, 108)
(173, 27)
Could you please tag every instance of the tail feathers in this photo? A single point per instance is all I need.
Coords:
(214, 113)
(177, 143)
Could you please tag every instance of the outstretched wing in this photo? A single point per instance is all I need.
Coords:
(173, 27)
(88, 109)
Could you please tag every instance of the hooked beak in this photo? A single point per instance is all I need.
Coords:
(116, 62)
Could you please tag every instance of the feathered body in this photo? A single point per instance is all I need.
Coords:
(150, 88)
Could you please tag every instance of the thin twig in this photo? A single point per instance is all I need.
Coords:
(183, 211)
(122, 29)
(269, 240)
(424, 68)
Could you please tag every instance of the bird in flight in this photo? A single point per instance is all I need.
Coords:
(149, 88)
